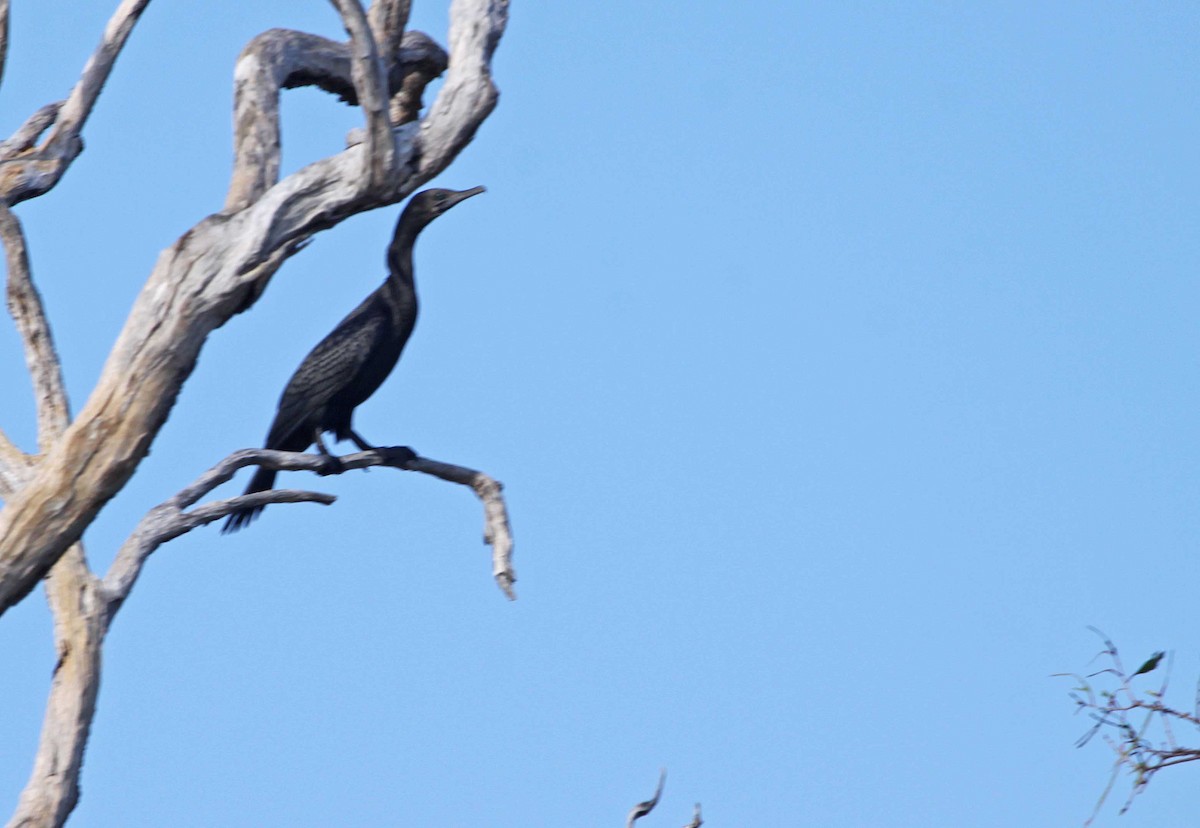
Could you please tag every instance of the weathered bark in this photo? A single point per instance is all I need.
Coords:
(282, 59)
(214, 270)
(642, 808)
(79, 627)
(208, 275)
(25, 306)
(84, 606)
(3, 36)
(173, 517)
(53, 789)
(38, 171)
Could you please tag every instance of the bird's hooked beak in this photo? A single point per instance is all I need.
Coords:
(463, 195)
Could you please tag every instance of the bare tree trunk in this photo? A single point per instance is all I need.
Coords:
(214, 270)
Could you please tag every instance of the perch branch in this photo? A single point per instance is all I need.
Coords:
(195, 287)
(27, 311)
(497, 532)
(169, 519)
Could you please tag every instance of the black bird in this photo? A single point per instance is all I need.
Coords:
(348, 365)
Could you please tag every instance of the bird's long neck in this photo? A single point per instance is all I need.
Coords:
(400, 289)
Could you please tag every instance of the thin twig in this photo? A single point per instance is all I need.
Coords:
(1137, 748)
(642, 808)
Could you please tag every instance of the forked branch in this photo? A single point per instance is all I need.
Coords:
(36, 173)
(213, 270)
(209, 274)
(1133, 720)
(174, 516)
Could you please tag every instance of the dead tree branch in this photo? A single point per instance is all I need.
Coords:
(85, 607)
(36, 173)
(214, 270)
(642, 808)
(369, 82)
(468, 96)
(15, 466)
(28, 133)
(209, 274)
(1144, 745)
(25, 305)
(171, 519)
(388, 19)
(282, 59)
(53, 787)
(3, 37)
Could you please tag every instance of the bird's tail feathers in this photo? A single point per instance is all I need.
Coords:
(263, 480)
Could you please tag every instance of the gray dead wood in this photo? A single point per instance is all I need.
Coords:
(214, 270)
(642, 808)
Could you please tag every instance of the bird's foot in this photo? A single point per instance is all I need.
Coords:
(330, 465)
(403, 455)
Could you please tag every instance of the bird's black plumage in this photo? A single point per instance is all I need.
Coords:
(348, 366)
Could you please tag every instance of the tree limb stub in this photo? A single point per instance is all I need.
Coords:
(196, 285)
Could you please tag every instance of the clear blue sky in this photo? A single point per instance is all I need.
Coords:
(840, 361)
